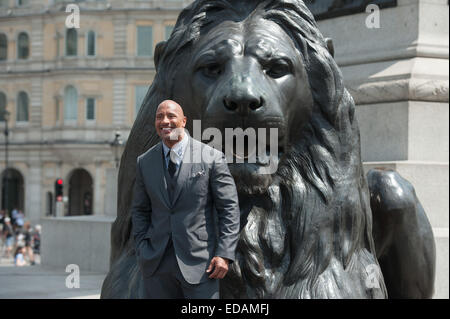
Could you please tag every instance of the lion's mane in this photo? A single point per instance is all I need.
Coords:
(309, 235)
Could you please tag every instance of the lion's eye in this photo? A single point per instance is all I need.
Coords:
(277, 69)
(212, 70)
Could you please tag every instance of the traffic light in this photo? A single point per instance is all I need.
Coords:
(59, 189)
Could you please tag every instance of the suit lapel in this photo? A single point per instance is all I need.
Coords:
(160, 176)
(184, 171)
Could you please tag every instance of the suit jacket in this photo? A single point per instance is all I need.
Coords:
(203, 217)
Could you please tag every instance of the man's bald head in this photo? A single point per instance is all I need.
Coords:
(170, 104)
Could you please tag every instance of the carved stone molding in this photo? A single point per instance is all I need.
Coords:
(400, 90)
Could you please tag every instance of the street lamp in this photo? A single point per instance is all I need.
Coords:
(6, 115)
(116, 145)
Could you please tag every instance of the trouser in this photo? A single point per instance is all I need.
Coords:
(167, 282)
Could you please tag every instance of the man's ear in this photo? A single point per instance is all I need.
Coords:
(159, 50)
(330, 46)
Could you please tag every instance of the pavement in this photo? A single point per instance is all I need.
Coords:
(39, 282)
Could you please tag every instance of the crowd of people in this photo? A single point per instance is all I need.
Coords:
(18, 239)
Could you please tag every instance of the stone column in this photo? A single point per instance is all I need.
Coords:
(98, 189)
(33, 195)
(111, 192)
(398, 75)
(119, 102)
(120, 35)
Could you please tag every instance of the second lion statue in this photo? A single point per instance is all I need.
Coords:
(307, 228)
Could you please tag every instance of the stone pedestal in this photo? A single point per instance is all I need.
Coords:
(398, 76)
(83, 241)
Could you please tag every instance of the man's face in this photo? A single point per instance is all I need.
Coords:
(169, 122)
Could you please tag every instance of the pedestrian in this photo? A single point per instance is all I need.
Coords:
(37, 240)
(19, 259)
(2, 217)
(9, 237)
(2, 223)
(20, 237)
(28, 241)
(14, 214)
(2, 226)
(174, 221)
(20, 219)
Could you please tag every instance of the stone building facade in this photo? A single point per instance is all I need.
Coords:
(68, 90)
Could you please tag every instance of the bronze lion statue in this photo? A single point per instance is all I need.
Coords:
(308, 229)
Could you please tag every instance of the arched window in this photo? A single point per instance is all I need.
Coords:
(22, 107)
(2, 106)
(23, 46)
(81, 193)
(14, 188)
(3, 47)
(70, 104)
(91, 45)
(71, 42)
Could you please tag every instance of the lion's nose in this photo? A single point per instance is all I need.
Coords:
(243, 103)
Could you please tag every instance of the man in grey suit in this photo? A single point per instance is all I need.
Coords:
(185, 214)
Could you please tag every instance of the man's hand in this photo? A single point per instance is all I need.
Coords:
(220, 266)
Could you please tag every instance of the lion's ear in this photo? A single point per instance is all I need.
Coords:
(330, 46)
(160, 47)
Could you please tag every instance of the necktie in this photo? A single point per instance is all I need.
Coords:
(172, 166)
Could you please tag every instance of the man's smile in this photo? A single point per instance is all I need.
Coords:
(167, 130)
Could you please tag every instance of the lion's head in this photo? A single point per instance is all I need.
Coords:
(264, 64)
(240, 70)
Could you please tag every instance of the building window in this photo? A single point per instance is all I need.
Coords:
(90, 47)
(23, 2)
(70, 104)
(90, 109)
(3, 47)
(22, 107)
(140, 92)
(168, 31)
(23, 46)
(2, 106)
(144, 41)
(71, 42)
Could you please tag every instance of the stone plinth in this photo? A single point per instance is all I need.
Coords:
(83, 240)
(398, 77)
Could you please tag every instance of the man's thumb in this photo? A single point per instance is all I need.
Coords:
(211, 265)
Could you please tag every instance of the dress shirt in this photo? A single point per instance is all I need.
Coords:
(176, 152)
